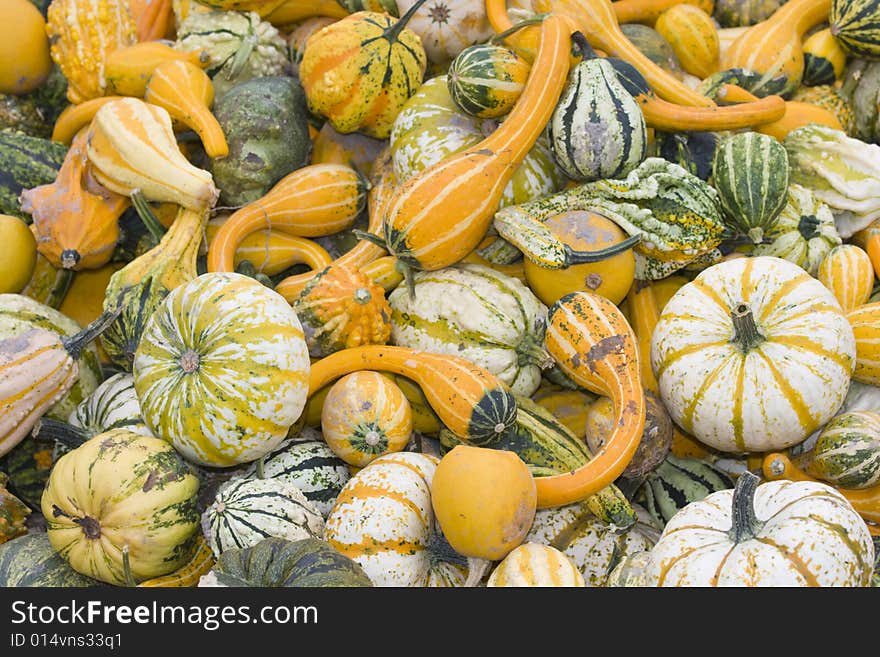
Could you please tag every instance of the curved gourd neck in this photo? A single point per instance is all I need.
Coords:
(802, 14)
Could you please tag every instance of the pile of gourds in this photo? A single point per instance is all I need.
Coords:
(440, 293)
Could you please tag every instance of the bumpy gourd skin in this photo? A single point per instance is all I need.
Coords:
(359, 71)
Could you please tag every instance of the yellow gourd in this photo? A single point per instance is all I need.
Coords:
(693, 36)
(484, 500)
(20, 248)
(24, 47)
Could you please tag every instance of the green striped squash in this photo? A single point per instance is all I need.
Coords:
(597, 130)
(593, 546)
(750, 172)
(856, 26)
(477, 313)
(803, 233)
(277, 562)
(19, 313)
(31, 561)
(247, 510)
(430, 126)
(25, 162)
(847, 451)
(677, 482)
(232, 348)
(310, 465)
(549, 448)
(824, 59)
(28, 465)
(485, 80)
(135, 494)
(113, 405)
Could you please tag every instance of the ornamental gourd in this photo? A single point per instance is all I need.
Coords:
(446, 27)
(780, 533)
(803, 233)
(865, 322)
(365, 415)
(112, 405)
(31, 561)
(474, 312)
(856, 27)
(383, 521)
(846, 270)
(533, 564)
(233, 348)
(246, 511)
(753, 355)
(485, 80)
(597, 129)
(750, 174)
(824, 59)
(847, 451)
(122, 507)
(693, 36)
(358, 71)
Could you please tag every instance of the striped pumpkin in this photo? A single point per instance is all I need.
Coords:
(824, 59)
(535, 565)
(308, 464)
(780, 533)
(593, 546)
(847, 451)
(692, 33)
(365, 415)
(113, 405)
(597, 129)
(847, 271)
(865, 323)
(677, 482)
(431, 127)
(383, 520)
(855, 25)
(495, 322)
(246, 510)
(446, 27)
(485, 80)
(753, 355)
(750, 174)
(358, 71)
(19, 313)
(234, 349)
(803, 233)
(130, 491)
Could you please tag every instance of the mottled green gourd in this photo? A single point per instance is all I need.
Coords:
(847, 451)
(597, 129)
(31, 561)
(750, 172)
(861, 87)
(277, 562)
(692, 150)
(676, 214)
(485, 80)
(25, 162)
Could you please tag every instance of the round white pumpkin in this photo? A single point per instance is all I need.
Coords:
(447, 27)
(752, 355)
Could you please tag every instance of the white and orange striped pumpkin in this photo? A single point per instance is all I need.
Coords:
(752, 355)
(865, 323)
(233, 349)
(365, 415)
(447, 27)
(383, 520)
(779, 533)
(847, 271)
(535, 565)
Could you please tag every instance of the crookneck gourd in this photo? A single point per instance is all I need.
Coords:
(676, 215)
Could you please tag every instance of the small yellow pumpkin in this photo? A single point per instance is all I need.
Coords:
(847, 271)
(484, 499)
(24, 47)
(17, 266)
(535, 565)
(365, 415)
(693, 36)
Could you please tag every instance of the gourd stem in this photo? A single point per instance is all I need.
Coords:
(531, 351)
(745, 331)
(440, 550)
(393, 31)
(145, 212)
(756, 234)
(76, 343)
(373, 239)
(537, 19)
(63, 279)
(573, 257)
(261, 467)
(242, 55)
(476, 570)
(745, 523)
(808, 226)
(60, 431)
(583, 46)
(126, 568)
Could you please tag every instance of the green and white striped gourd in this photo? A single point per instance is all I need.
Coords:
(677, 482)
(309, 465)
(478, 313)
(855, 25)
(750, 172)
(803, 233)
(232, 348)
(847, 451)
(19, 313)
(485, 80)
(593, 546)
(113, 405)
(597, 129)
(247, 510)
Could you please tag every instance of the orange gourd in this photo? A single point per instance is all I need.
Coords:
(865, 323)
(153, 19)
